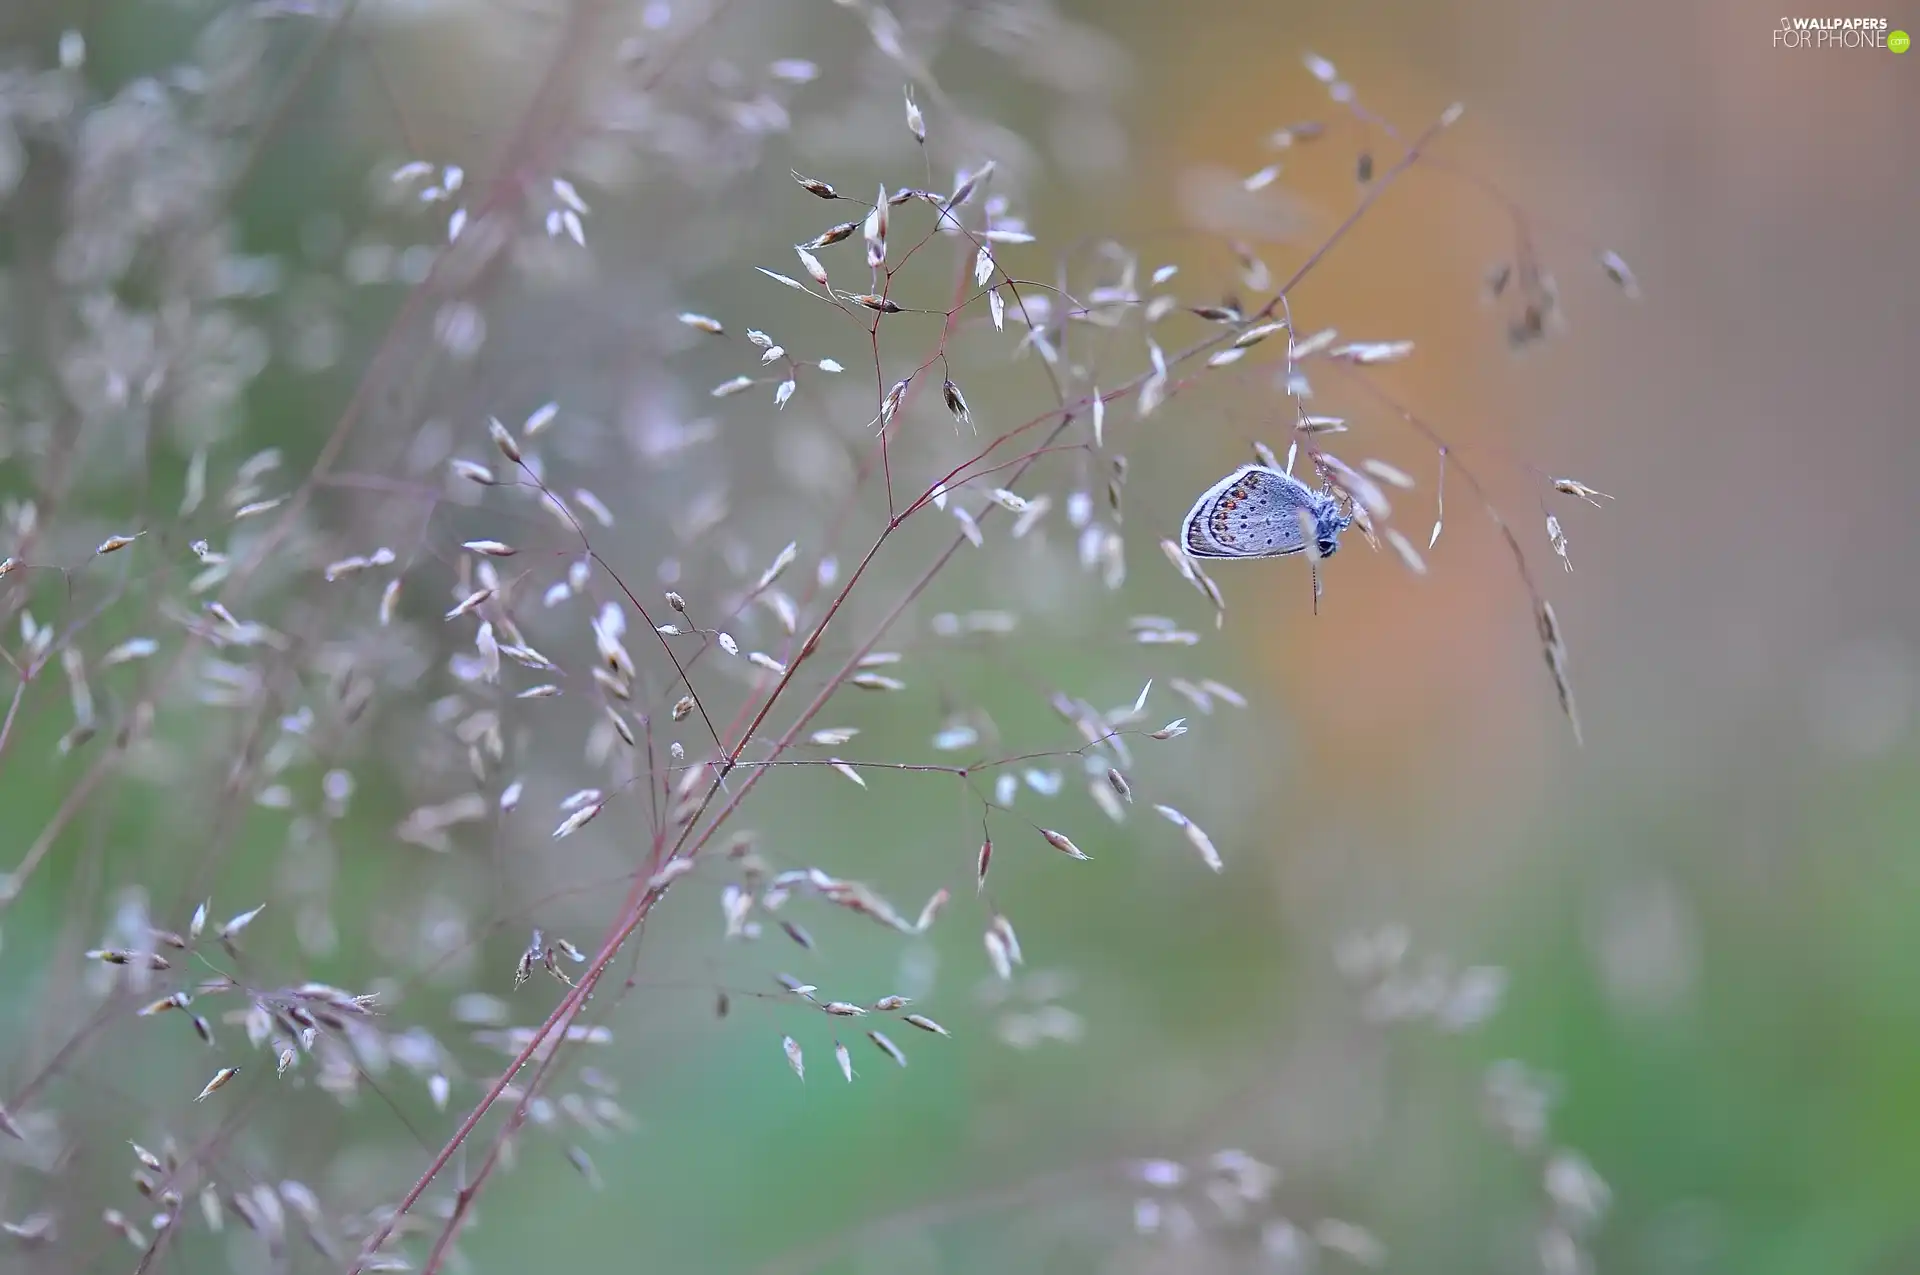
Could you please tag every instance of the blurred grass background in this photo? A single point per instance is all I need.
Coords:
(1708, 915)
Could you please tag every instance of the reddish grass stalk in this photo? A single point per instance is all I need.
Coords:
(643, 897)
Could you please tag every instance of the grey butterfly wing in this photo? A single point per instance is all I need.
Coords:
(1253, 512)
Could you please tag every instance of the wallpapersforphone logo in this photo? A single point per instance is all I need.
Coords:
(1840, 33)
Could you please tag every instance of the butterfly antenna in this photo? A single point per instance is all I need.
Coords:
(1313, 573)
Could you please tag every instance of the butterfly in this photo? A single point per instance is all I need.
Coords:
(1255, 512)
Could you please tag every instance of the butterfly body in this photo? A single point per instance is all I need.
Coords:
(1256, 512)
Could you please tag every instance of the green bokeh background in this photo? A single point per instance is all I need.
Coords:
(1760, 1120)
